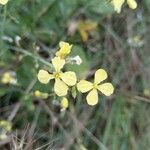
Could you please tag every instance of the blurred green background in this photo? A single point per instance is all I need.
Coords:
(30, 31)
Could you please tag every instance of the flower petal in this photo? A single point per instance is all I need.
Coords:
(64, 103)
(106, 88)
(92, 97)
(132, 4)
(64, 50)
(58, 63)
(65, 47)
(84, 86)
(69, 78)
(3, 2)
(117, 5)
(85, 27)
(100, 75)
(44, 76)
(60, 88)
(84, 35)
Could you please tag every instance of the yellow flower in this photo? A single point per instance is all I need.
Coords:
(64, 103)
(64, 50)
(62, 79)
(118, 4)
(3, 2)
(6, 125)
(105, 88)
(9, 78)
(132, 4)
(85, 27)
(39, 94)
(146, 92)
(137, 39)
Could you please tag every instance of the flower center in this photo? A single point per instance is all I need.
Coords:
(56, 75)
(95, 86)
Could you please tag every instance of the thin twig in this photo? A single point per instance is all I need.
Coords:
(55, 120)
(133, 96)
(88, 133)
(31, 55)
(14, 112)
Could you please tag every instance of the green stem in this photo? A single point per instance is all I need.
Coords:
(3, 27)
(31, 55)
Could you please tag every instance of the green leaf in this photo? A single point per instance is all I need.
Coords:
(82, 69)
(26, 72)
(103, 7)
(3, 91)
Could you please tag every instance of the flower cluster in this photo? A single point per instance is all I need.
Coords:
(9, 77)
(118, 4)
(64, 80)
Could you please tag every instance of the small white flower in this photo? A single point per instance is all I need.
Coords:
(77, 60)
(7, 38)
(13, 82)
(37, 48)
(17, 39)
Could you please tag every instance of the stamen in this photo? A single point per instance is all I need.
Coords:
(56, 75)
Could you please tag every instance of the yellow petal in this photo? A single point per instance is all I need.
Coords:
(58, 63)
(44, 76)
(64, 103)
(117, 5)
(132, 4)
(84, 35)
(69, 78)
(106, 88)
(60, 88)
(64, 50)
(92, 97)
(85, 27)
(65, 47)
(84, 86)
(3, 2)
(100, 75)
(6, 78)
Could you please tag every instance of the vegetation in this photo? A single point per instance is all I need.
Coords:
(102, 35)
